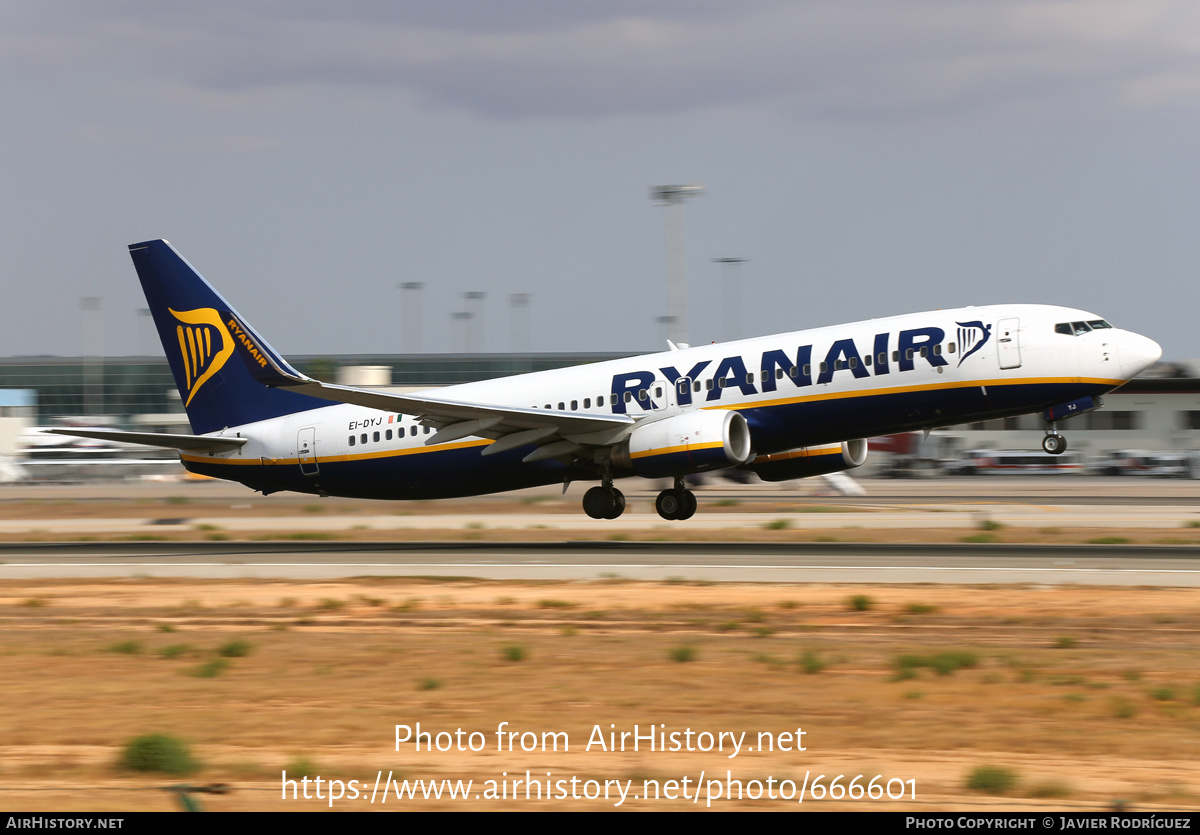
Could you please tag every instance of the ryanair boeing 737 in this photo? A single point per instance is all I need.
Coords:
(786, 406)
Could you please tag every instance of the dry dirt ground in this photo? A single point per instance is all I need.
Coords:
(1085, 695)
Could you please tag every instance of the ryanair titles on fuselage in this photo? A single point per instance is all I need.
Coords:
(729, 373)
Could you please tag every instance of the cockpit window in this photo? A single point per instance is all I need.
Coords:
(1080, 328)
(1098, 324)
(1064, 328)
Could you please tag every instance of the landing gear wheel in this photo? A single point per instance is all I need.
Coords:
(618, 503)
(599, 502)
(669, 503)
(1054, 444)
(676, 504)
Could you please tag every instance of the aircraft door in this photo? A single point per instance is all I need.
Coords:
(1008, 347)
(306, 450)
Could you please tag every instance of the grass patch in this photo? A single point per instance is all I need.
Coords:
(166, 627)
(301, 767)
(682, 654)
(514, 652)
(1053, 788)
(429, 684)
(1108, 540)
(1123, 709)
(176, 500)
(811, 663)
(175, 651)
(942, 663)
(126, 647)
(992, 779)
(920, 609)
(778, 525)
(556, 604)
(237, 648)
(980, 538)
(989, 525)
(34, 602)
(860, 603)
(1162, 694)
(158, 753)
(209, 669)
(1065, 642)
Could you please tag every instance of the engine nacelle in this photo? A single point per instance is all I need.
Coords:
(809, 461)
(707, 439)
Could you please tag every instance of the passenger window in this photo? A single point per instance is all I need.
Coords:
(643, 395)
(825, 367)
(778, 373)
(924, 350)
(600, 400)
(696, 386)
(883, 358)
(749, 378)
(587, 402)
(867, 359)
(950, 347)
(658, 391)
(808, 371)
(628, 397)
(351, 440)
(388, 435)
(412, 430)
(708, 384)
(375, 437)
(425, 430)
(721, 382)
(854, 362)
(837, 365)
(363, 437)
(574, 405)
(547, 405)
(896, 355)
(562, 406)
(908, 354)
(794, 372)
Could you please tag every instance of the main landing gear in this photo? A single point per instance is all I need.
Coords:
(604, 502)
(676, 504)
(1054, 443)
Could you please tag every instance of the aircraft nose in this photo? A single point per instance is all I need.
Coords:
(1137, 353)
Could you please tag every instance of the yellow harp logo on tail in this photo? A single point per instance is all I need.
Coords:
(204, 344)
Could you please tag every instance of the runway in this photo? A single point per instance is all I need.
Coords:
(986, 564)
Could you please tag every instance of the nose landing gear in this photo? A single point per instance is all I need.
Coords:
(1054, 443)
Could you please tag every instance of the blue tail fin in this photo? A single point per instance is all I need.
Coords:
(201, 333)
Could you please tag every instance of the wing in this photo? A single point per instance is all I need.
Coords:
(553, 432)
(156, 439)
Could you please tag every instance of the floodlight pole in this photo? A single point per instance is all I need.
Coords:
(672, 198)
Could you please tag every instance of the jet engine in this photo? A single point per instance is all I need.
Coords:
(809, 461)
(707, 439)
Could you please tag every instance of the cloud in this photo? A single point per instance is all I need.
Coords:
(589, 59)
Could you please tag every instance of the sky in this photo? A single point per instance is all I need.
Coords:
(868, 158)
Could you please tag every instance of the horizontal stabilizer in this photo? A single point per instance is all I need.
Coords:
(156, 439)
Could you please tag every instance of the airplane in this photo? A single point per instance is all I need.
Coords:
(786, 406)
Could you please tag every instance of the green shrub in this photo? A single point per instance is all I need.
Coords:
(1065, 642)
(158, 752)
(126, 647)
(860, 602)
(428, 684)
(210, 669)
(174, 651)
(683, 654)
(992, 779)
(237, 648)
(811, 663)
(514, 652)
